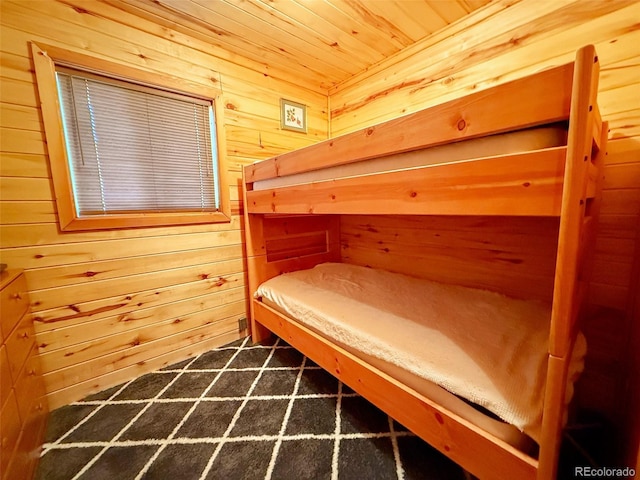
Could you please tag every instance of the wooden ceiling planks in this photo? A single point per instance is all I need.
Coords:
(320, 42)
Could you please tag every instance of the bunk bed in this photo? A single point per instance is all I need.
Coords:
(529, 152)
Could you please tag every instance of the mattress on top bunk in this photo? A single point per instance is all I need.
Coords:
(480, 345)
(535, 138)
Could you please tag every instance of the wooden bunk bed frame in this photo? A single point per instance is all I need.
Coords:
(295, 227)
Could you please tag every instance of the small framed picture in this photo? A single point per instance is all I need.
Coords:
(293, 116)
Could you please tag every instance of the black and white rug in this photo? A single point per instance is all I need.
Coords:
(237, 412)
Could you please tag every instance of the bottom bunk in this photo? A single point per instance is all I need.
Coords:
(399, 340)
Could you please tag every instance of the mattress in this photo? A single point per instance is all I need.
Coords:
(501, 144)
(441, 340)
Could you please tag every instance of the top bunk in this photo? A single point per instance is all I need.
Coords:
(513, 149)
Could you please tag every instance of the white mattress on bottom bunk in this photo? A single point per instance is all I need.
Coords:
(483, 346)
(535, 138)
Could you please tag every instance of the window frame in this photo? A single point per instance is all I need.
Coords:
(45, 58)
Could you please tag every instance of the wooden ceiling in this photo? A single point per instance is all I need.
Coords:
(323, 41)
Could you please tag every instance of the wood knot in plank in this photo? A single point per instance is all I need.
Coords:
(90, 274)
(369, 131)
(413, 194)
(526, 184)
(80, 10)
(461, 124)
(439, 418)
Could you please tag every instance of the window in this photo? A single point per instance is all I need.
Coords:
(125, 153)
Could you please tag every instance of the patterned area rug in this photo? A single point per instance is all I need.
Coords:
(237, 412)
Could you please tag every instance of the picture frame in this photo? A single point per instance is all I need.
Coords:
(293, 116)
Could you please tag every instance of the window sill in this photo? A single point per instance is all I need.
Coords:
(139, 220)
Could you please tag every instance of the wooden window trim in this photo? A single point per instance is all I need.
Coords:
(45, 58)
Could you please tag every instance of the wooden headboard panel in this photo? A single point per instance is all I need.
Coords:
(283, 243)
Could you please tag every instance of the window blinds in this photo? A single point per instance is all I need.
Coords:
(133, 150)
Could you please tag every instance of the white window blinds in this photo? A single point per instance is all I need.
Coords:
(136, 149)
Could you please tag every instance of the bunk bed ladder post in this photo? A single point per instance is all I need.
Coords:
(567, 289)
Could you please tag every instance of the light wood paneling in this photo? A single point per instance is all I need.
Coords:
(110, 305)
(324, 42)
(122, 306)
(22, 164)
(74, 391)
(138, 350)
(445, 70)
(83, 273)
(133, 332)
(511, 255)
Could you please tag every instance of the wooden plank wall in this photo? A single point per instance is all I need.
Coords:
(512, 255)
(504, 41)
(111, 305)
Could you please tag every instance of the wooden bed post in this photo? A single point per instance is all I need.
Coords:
(582, 181)
(256, 255)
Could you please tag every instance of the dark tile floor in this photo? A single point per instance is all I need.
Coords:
(237, 412)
